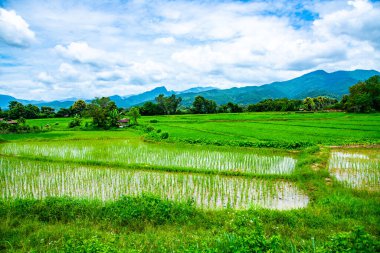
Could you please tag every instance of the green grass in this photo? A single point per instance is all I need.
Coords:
(316, 128)
(338, 217)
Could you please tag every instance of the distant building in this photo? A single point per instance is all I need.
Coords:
(12, 122)
(123, 122)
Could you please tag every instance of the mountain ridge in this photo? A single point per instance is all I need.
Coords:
(315, 83)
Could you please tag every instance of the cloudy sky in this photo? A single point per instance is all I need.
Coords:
(70, 48)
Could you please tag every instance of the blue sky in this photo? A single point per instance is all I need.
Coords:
(67, 48)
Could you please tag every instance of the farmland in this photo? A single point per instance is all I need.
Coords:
(219, 183)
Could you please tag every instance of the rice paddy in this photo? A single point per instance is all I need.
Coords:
(143, 154)
(358, 169)
(39, 180)
(178, 196)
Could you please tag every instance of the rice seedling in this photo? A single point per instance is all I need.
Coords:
(127, 153)
(20, 179)
(356, 169)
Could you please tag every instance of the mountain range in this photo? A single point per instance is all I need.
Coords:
(317, 83)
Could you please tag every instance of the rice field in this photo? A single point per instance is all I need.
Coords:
(358, 169)
(143, 154)
(20, 179)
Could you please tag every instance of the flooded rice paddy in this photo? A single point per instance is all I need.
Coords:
(25, 179)
(142, 154)
(358, 169)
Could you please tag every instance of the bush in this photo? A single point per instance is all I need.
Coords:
(84, 245)
(356, 241)
(149, 129)
(153, 121)
(164, 135)
(76, 121)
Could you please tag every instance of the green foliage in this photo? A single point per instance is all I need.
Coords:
(203, 106)
(168, 105)
(247, 235)
(47, 112)
(104, 112)
(89, 245)
(357, 240)
(125, 211)
(134, 112)
(164, 135)
(20, 127)
(150, 108)
(78, 107)
(282, 104)
(364, 96)
(76, 121)
(230, 108)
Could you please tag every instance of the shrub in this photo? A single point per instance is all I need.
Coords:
(149, 129)
(164, 135)
(76, 121)
(355, 241)
(153, 121)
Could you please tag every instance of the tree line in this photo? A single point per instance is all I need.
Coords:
(363, 97)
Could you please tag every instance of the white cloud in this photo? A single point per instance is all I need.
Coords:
(131, 46)
(81, 52)
(164, 41)
(68, 72)
(44, 77)
(14, 30)
(360, 22)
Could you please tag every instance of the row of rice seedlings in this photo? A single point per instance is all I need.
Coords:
(20, 179)
(356, 170)
(126, 153)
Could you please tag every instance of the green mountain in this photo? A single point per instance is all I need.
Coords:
(140, 98)
(317, 83)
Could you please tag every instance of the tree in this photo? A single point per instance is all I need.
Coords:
(76, 121)
(168, 105)
(135, 114)
(102, 111)
(202, 105)
(309, 104)
(47, 112)
(31, 111)
(230, 107)
(78, 107)
(364, 96)
(63, 112)
(150, 108)
(16, 110)
(114, 116)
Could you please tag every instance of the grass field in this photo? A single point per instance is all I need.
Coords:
(250, 182)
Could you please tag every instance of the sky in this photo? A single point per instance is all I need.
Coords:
(82, 49)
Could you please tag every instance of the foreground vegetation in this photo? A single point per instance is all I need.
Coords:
(205, 188)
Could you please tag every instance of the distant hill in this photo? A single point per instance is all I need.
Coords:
(141, 98)
(317, 83)
(4, 100)
(196, 90)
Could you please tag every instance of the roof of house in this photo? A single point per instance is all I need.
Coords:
(123, 121)
(12, 122)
